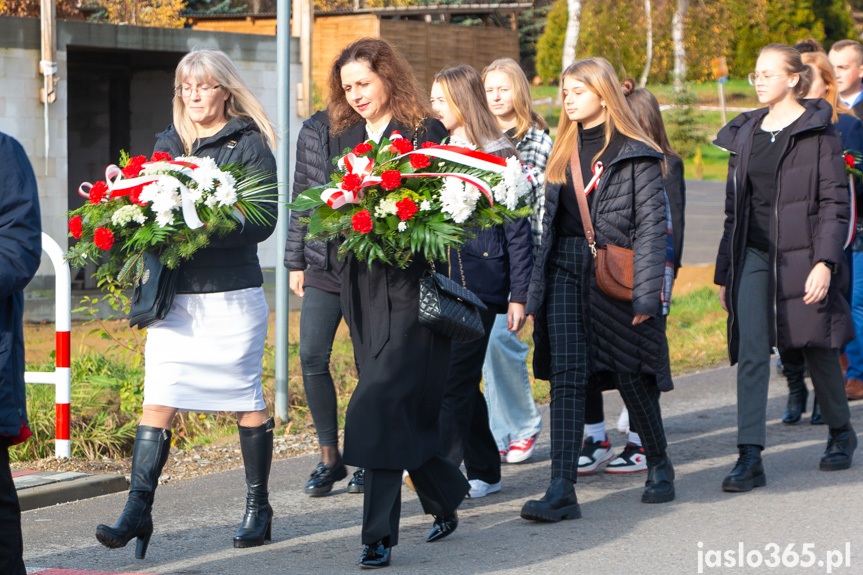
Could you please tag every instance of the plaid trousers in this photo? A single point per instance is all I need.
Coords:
(567, 300)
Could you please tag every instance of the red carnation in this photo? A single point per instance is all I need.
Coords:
(76, 227)
(160, 157)
(135, 195)
(351, 182)
(420, 161)
(428, 145)
(849, 160)
(406, 209)
(391, 179)
(362, 221)
(103, 238)
(97, 192)
(134, 167)
(361, 149)
(401, 146)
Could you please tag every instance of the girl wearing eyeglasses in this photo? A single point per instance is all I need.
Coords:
(780, 265)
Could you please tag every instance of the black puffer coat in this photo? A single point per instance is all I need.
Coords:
(809, 225)
(228, 263)
(312, 169)
(628, 211)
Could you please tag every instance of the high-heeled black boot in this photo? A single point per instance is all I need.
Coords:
(659, 487)
(256, 443)
(797, 396)
(749, 471)
(152, 446)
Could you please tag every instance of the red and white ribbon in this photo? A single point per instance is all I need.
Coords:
(594, 181)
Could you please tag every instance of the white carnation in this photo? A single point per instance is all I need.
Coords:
(403, 226)
(211, 201)
(425, 205)
(458, 200)
(165, 218)
(513, 186)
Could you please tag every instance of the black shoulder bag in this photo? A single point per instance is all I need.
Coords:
(153, 292)
(448, 308)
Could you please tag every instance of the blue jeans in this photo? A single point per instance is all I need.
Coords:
(513, 414)
(854, 350)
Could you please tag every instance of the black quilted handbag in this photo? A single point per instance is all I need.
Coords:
(448, 308)
(153, 293)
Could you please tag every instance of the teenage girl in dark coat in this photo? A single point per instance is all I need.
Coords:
(579, 330)
(780, 265)
(391, 423)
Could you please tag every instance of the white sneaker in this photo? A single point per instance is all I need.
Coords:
(479, 488)
(623, 421)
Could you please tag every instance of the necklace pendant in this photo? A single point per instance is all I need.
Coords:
(772, 138)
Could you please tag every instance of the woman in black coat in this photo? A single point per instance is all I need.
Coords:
(391, 423)
(780, 265)
(579, 330)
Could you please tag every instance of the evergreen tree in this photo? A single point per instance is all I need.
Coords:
(549, 48)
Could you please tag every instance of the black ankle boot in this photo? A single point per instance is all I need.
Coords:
(841, 444)
(559, 502)
(816, 414)
(797, 396)
(256, 443)
(152, 446)
(659, 487)
(376, 555)
(749, 471)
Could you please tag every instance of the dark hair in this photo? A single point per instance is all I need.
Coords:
(628, 86)
(645, 108)
(793, 65)
(809, 45)
(408, 102)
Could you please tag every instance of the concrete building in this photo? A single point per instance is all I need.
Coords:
(114, 93)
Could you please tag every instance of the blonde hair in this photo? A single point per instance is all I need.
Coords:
(526, 116)
(793, 65)
(599, 77)
(464, 91)
(205, 65)
(819, 62)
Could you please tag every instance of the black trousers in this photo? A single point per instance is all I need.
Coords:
(566, 302)
(11, 540)
(440, 486)
(465, 431)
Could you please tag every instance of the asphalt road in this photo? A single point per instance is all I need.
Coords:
(800, 505)
(705, 214)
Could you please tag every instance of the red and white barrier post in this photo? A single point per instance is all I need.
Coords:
(61, 377)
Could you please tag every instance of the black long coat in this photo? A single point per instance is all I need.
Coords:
(20, 250)
(809, 224)
(392, 418)
(628, 211)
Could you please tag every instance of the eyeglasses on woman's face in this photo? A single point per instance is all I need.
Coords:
(756, 77)
(203, 90)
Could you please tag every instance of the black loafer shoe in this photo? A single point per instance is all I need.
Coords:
(322, 479)
(559, 502)
(358, 481)
(375, 556)
(442, 527)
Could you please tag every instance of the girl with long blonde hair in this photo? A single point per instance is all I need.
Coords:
(579, 330)
(514, 418)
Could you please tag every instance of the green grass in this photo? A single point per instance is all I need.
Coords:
(696, 331)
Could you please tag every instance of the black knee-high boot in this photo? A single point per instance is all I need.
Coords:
(256, 444)
(152, 446)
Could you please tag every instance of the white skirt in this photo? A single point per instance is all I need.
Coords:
(206, 354)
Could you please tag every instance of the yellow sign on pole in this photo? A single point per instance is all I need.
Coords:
(720, 68)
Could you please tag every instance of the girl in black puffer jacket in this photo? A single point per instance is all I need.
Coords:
(579, 330)
(781, 265)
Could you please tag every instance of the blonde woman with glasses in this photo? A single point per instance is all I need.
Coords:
(206, 354)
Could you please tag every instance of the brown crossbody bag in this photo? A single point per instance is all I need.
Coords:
(613, 264)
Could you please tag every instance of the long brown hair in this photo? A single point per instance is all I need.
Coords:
(464, 91)
(645, 107)
(599, 77)
(407, 101)
(526, 116)
(820, 63)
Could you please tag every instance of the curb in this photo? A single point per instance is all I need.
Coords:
(67, 491)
